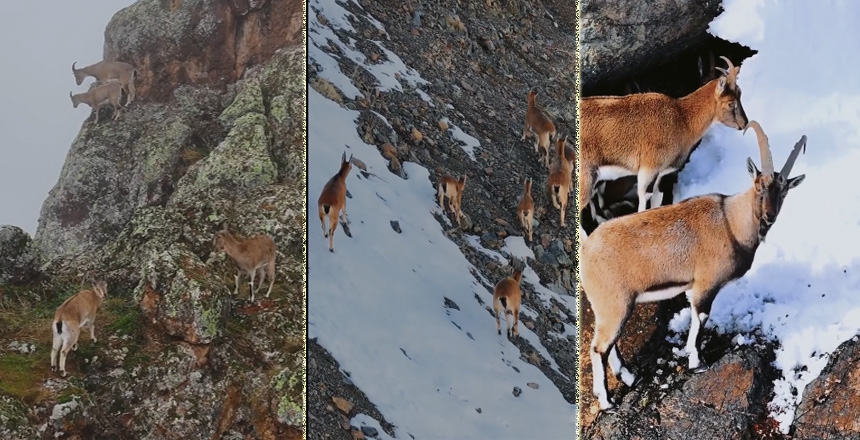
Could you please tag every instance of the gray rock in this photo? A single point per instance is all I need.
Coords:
(621, 36)
(18, 257)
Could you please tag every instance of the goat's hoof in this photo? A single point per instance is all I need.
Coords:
(611, 409)
(63, 373)
(95, 340)
(500, 331)
(701, 368)
(331, 250)
(325, 235)
(53, 368)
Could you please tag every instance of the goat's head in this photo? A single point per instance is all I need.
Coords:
(771, 187)
(220, 239)
(730, 112)
(79, 76)
(100, 288)
(76, 99)
(345, 164)
(462, 181)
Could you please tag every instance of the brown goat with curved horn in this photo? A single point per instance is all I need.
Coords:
(716, 245)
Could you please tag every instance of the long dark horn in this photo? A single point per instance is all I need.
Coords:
(789, 163)
(73, 67)
(763, 146)
(723, 71)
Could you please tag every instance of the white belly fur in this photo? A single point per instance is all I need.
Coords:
(612, 172)
(663, 294)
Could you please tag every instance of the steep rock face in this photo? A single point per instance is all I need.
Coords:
(621, 36)
(18, 259)
(199, 42)
(188, 55)
(138, 203)
(113, 168)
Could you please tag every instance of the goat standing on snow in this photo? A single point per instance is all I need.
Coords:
(539, 125)
(506, 297)
(651, 135)
(105, 71)
(75, 313)
(333, 200)
(99, 96)
(697, 245)
(253, 255)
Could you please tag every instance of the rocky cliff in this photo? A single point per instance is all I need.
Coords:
(214, 139)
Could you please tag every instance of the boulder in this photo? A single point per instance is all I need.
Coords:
(620, 37)
(18, 258)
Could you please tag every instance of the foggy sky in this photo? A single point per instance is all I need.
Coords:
(38, 43)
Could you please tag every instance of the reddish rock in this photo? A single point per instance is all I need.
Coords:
(202, 45)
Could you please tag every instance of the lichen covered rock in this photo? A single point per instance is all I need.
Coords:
(240, 163)
(13, 420)
(18, 259)
(178, 294)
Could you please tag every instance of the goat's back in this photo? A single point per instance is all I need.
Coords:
(334, 192)
(507, 288)
(620, 130)
(661, 246)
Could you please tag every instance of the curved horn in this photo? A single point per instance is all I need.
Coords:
(73, 67)
(789, 163)
(729, 62)
(763, 146)
(723, 71)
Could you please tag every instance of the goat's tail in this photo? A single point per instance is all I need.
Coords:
(326, 208)
(59, 325)
(504, 302)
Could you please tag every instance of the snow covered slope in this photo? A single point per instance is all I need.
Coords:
(803, 289)
(378, 303)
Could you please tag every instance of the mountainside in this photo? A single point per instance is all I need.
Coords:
(213, 139)
(400, 314)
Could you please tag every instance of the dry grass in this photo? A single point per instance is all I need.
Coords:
(326, 89)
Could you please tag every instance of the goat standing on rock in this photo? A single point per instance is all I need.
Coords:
(105, 71)
(253, 255)
(506, 299)
(526, 209)
(651, 135)
(75, 313)
(697, 245)
(97, 97)
(539, 125)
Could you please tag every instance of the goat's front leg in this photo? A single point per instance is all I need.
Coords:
(238, 276)
(93, 330)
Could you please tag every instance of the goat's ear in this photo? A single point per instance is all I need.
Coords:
(721, 85)
(795, 181)
(752, 169)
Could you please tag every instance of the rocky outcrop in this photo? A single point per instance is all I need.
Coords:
(621, 37)
(722, 402)
(138, 203)
(829, 406)
(208, 43)
(192, 58)
(18, 256)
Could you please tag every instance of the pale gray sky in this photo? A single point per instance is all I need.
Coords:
(38, 43)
